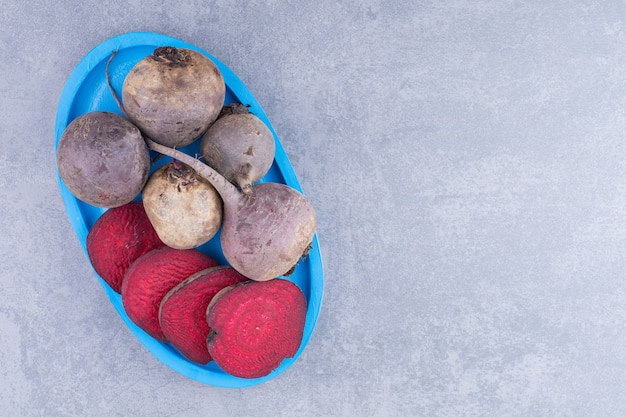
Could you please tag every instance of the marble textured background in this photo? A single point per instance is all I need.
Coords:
(467, 161)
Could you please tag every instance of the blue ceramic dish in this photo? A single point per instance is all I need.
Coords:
(87, 90)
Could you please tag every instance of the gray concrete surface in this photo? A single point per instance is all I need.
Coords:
(467, 160)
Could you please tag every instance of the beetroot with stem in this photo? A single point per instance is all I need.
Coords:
(266, 231)
(182, 314)
(150, 278)
(120, 236)
(255, 325)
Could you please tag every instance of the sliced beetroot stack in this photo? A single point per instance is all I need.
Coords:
(255, 325)
(151, 277)
(120, 236)
(183, 310)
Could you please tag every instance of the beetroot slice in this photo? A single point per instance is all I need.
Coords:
(120, 236)
(149, 279)
(255, 325)
(183, 310)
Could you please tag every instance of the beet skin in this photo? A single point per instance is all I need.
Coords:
(183, 310)
(255, 325)
(173, 95)
(117, 239)
(103, 159)
(150, 278)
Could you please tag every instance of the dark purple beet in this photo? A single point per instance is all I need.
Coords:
(103, 159)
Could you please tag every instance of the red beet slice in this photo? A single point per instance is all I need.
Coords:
(183, 310)
(255, 325)
(120, 236)
(151, 276)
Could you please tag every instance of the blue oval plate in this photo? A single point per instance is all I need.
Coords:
(87, 90)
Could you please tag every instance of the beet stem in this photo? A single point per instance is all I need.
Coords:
(156, 158)
(115, 97)
(224, 187)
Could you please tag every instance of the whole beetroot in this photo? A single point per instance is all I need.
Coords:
(150, 278)
(239, 146)
(173, 95)
(103, 159)
(120, 236)
(183, 207)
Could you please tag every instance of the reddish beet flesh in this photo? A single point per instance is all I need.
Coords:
(255, 325)
(150, 278)
(117, 239)
(183, 310)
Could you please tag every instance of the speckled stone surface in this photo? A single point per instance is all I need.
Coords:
(467, 161)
